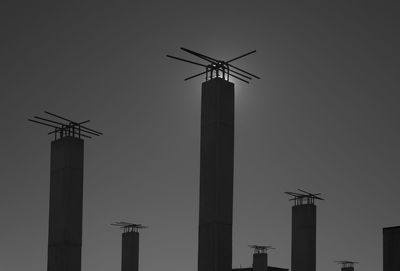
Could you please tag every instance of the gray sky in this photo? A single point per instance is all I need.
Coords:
(324, 117)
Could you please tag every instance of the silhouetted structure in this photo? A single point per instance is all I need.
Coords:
(260, 260)
(130, 245)
(270, 268)
(216, 161)
(304, 223)
(260, 257)
(347, 265)
(216, 176)
(66, 192)
(391, 248)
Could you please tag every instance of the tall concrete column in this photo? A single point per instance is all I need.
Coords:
(391, 248)
(216, 176)
(66, 197)
(130, 251)
(304, 221)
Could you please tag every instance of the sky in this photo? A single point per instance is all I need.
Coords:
(323, 117)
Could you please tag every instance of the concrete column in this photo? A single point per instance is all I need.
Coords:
(130, 251)
(66, 197)
(216, 176)
(391, 249)
(260, 262)
(304, 220)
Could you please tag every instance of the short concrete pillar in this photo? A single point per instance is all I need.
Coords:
(130, 251)
(260, 262)
(304, 223)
